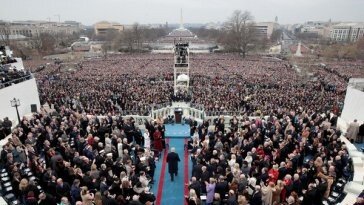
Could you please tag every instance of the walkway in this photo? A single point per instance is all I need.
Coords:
(166, 191)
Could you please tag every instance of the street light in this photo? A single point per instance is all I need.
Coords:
(16, 103)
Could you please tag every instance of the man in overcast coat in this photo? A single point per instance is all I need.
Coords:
(173, 159)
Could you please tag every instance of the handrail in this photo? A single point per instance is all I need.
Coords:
(145, 113)
(218, 113)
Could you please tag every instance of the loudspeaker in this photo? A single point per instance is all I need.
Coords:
(33, 108)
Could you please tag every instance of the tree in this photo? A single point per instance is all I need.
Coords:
(360, 47)
(276, 35)
(137, 33)
(44, 43)
(152, 34)
(349, 51)
(128, 40)
(210, 34)
(105, 47)
(240, 32)
(5, 33)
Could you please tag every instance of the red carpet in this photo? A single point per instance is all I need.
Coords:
(161, 177)
(185, 170)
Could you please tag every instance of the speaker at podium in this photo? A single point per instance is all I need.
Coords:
(178, 115)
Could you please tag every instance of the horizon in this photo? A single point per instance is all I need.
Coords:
(127, 12)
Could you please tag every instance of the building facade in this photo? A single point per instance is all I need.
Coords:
(34, 28)
(265, 29)
(103, 27)
(350, 32)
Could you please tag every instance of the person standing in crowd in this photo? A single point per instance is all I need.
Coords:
(146, 139)
(158, 146)
(210, 191)
(257, 196)
(361, 133)
(2, 130)
(75, 191)
(62, 189)
(7, 126)
(352, 131)
(172, 160)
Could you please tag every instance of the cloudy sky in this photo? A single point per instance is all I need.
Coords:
(194, 11)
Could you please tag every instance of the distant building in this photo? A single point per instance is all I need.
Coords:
(265, 29)
(316, 27)
(182, 34)
(103, 27)
(33, 28)
(347, 32)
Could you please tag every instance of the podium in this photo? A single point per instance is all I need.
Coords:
(178, 115)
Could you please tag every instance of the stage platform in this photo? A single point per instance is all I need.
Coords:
(177, 131)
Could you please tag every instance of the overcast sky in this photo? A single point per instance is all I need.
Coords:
(194, 11)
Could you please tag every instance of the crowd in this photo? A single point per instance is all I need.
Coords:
(69, 158)
(134, 84)
(10, 75)
(288, 158)
(346, 70)
(293, 156)
(126, 85)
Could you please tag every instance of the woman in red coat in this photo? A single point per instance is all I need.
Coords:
(273, 174)
(157, 136)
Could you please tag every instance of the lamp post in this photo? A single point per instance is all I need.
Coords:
(16, 103)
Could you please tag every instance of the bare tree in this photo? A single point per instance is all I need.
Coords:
(128, 39)
(44, 43)
(5, 33)
(240, 32)
(137, 33)
(132, 38)
(105, 47)
(276, 35)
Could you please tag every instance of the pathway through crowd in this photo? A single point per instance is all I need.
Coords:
(166, 191)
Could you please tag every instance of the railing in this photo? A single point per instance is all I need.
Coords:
(186, 111)
(218, 113)
(135, 112)
(16, 81)
(140, 120)
(162, 105)
(197, 106)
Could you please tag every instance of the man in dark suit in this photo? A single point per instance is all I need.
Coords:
(361, 133)
(45, 199)
(197, 170)
(232, 198)
(62, 189)
(310, 195)
(222, 187)
(173, 159)
(196, 185)
(256, 197)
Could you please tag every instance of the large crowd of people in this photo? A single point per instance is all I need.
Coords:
(293, 155)
(288, 158)
(127, 85)
(66, 157)
(134, 84)
(10, 75)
